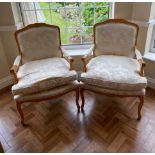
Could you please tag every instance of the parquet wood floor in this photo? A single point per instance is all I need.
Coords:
(108, 125)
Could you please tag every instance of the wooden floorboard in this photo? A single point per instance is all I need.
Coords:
(108, 125)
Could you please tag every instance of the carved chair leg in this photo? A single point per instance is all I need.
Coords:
(141, 98)
(77, 100)
(82, 98)
(20, 113)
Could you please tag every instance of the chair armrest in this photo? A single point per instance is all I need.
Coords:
(86, 57)
(68, 58)
(141, 61)
(15, 68)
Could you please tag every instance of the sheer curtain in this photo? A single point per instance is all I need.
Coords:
(32, 13)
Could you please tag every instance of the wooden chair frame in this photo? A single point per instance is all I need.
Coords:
(15, 67)
(138, 56)
(19, 109)
(18, 62)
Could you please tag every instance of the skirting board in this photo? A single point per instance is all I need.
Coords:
(151, 82)
(7, 81)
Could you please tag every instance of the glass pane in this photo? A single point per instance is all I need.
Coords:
(43, 5)
(56, 5)
(74, 35)
(88, 16)
(44, 16)
(88, 4)
(75, 19)
(64, 38)
(101, 14)
(72, 17)
(58, 18)
(87, 35)
(72, 4)
(104, 4)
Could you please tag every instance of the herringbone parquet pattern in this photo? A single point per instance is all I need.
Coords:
(108, 125)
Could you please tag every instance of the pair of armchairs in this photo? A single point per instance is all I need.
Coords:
(42, 71)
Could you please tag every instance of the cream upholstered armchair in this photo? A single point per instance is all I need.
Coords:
(41, 71)
(117, 67)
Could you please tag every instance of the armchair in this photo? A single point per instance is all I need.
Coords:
(117, 67)
(41, 71)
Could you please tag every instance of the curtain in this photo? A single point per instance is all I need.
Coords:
(31, 13)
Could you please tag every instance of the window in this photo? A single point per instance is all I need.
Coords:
(153, 40)
(75, 19)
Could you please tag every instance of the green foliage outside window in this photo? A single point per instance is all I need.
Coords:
(75, 23)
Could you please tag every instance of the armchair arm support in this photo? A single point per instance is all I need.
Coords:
(15, 68)
(85, 58)
(70, 60)
(141, 61)
(67, 57)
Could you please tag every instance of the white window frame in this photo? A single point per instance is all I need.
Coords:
(110, 15)
(152, 48)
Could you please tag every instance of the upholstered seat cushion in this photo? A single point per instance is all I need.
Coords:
(47, 94)
(112, 91)
(39, 75)
(114, 72)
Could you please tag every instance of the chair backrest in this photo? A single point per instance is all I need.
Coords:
(115, 37)
(38, 41)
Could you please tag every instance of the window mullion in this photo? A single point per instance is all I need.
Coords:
(81, 28)
(50, 12)
(22, 13)
(66, 24)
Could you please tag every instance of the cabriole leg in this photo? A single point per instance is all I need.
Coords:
(20, 113)
(141, 98)
(77, 100)
(82, 98)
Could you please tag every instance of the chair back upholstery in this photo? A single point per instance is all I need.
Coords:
(115, 37)
(38, 41)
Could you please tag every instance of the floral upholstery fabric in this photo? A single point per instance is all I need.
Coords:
(114, 72)
(39, 75)
(112, 91)
(115, 39)
(47, 94)
(39, 43)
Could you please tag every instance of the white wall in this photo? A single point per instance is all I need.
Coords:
(123, 10)
(141, 11)
(8, 47)
(4, 68)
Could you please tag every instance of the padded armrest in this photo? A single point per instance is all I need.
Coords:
(141, 61)
(86, 57)
(138, 55)
(15, 68)
(68, 58)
